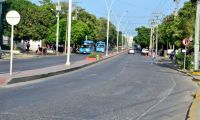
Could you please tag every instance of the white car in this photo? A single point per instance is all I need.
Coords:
(131, 51)
(145, 51)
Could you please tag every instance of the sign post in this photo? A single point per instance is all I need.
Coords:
(13, 18)
(185, 42)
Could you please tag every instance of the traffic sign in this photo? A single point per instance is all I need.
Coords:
(13, 17)
(186, 41)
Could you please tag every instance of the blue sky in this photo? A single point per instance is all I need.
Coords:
(139, 12)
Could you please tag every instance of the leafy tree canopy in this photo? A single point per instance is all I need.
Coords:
(143, 36)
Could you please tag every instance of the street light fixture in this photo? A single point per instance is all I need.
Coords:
(108, 22)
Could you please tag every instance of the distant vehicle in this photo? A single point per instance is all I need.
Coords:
(131, 51)
(169, 51)
(87, 47)
(136, 47)
(145, 51)
(100, 46)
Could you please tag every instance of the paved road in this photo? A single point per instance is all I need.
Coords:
(125, 88)
(34, 63)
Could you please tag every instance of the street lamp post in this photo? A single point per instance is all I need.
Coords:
(108, 25)
(122, 41)
(196, 44)
(118, 26)
(69, 32)
(1, 29)
(108, 22)
(123, 35)
(58, 9)
(156, 41)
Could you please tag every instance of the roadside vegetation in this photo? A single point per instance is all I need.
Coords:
(171, 31)
(38, 22)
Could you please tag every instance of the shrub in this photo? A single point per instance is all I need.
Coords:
(94, 55)
(179, 59)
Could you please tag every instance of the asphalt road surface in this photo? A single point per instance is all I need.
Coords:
(35, 63)
(126, 87)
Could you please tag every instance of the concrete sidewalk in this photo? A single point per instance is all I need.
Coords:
(28, 75)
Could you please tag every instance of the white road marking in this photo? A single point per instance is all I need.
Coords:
(169, 91)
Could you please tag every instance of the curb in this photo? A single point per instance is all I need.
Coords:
(35, 77)
(192, 115)
(30, 78)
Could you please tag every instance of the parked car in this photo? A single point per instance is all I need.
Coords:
(131, 51)
(145, 51)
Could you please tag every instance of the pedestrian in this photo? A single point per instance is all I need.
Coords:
(38, 50)
(171, 55)
(27, 46)
(153, 61)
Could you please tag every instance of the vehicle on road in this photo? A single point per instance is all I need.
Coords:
(100, 46)
(131, 51)
(87, 47)
(145, 51)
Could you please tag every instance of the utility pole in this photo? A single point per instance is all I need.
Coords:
(122, 41)
(58, 9)
(156, 24)
(176, 7)
(196, 44)
(153, 38)
(151, 43)
(76, 9)
(1, 28)
(156, 40)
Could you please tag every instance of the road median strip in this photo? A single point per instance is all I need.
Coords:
(61, 69)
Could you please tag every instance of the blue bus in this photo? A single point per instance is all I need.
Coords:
(87, 47)
(100, 46)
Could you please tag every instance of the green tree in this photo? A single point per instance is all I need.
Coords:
(143, 36)
(100, 29)
(90, 20)
(35, 20)
(78, 32)
(38, 22)
(52, 32)
(27, 10)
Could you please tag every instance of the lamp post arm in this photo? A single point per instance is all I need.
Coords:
(108, 22)
(109, 7)
(106, 5)
(122, 16)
